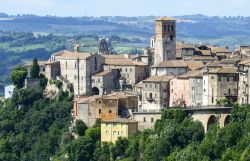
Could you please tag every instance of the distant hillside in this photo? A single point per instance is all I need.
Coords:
(222, 31)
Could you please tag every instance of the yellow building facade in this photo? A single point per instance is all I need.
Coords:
(119, 127)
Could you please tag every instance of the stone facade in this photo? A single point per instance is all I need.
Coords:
(52, 70)
(220, 84)
(244, 82)
(133, 72)
(86, 112)
(155, 93)
(171, 67)
(146, 120)
(41, 67)
(120, 127)
(78, 68)
(165, 39)
(196, 90)
(179, 92)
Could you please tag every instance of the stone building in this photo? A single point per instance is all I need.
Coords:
(111, 130)
(103, 47)
(131, 71)
(52, 70)
(196, 89)
(108, 107)
(221, 83)
(186, 90)
(170, 67)
(155, 93)
(117, 105)
(164, 42)
(41, 64)
(77, 68)
(85, 110)
(105, 81)
(244, 81)
(146, 120)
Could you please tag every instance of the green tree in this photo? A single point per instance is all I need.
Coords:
(35, 69)
(18, 76)
(80, 127)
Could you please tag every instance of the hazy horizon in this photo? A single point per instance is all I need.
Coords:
(96, 8)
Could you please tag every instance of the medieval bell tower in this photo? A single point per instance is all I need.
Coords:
(165, 39)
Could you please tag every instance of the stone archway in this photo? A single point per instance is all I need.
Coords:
(95, 91)
(227, 120)
(211, 121)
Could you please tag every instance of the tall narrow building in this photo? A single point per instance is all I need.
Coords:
(165, 39)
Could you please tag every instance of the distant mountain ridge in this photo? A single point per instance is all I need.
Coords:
(198, 28)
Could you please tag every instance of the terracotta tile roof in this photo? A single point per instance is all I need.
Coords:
(73, 55)
(105, 72)
(139, 85)
(224, 71)
(230, 61)
(164, 78)
(171, 64)
(216, 49)
(124, 62)
(193, 65)
(203, 58)
(165, 19)
(119, 120)
(244, 61)
(40, 62)
(205, 52)
(194, 73)
(119, 95)
(214, 64)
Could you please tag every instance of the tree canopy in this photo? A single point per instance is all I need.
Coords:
(18, 76)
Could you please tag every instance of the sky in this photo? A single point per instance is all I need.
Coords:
(126, 7)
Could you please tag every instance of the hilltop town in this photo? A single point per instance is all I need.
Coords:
(128, 92)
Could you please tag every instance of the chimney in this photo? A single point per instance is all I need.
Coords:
(77, 48)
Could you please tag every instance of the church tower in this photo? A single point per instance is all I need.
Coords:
(165, 40)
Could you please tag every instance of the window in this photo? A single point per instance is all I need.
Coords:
(152, 120)
(66, 76)
(110, 111)
(114, 125)
(130, 69)
(75, 77)
(171, 37)
(146, 85)
(212, 77)
(168, 27)
(126, 69)
(100, 111)
(155, 85)
(144, 119)
(172, 91)
(165, 28)
(172, 28)
(75, 65)
(114, 132)
(100, 102)
(66, 65)
(229, 91)
(150, 95)
(228, 79)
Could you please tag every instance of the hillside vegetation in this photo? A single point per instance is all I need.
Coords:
(34, 128)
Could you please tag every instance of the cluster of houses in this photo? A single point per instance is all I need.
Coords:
(128, 92)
